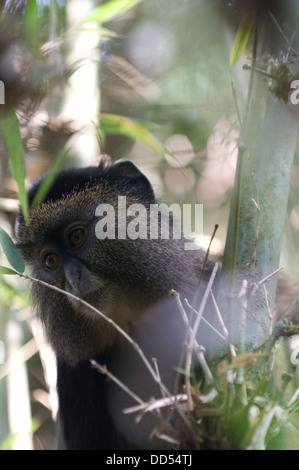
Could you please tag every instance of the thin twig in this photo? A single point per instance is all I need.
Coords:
(282, 33)
(195, 298)
(208, 252)
(204, 320)
(265, 279)
(232, 349)
(103, 370)
(235, 98)
(154, 359)
(189, 332)
(283, 327)
(203, 303)
(198, 349)
(192, 341)
(267, 302)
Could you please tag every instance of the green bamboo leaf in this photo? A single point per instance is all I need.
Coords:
(115, 124)
(13, 140)
(102, 32)
(31, 21)
(241, 38)
(110, 10)
(11, 252)
(5, 270)
(49, 179)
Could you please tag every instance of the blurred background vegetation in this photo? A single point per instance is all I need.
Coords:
(163, 64)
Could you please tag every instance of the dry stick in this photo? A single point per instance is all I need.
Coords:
(283, 327)
(154, 359)
(199, 350)
(104, 370)
(186, 321)
(196, 325)
(195, 299)
(154, 405)
(240, 393)
(232, 349)
(203, 304)
(208, 252)
(262, 283)
(290, 45)
(282, 33)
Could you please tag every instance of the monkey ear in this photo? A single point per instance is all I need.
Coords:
(128, 170)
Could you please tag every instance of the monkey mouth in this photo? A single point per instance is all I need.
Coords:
(87, 289)
(86, 303)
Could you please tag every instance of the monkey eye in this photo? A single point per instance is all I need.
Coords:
(76, 237)
(51, 260)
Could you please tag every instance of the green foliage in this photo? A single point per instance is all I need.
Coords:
(109, 10)
(8, 443)
(114, 124)
(13, 140)
(5, 270)
(241, 38)
(252, 413)
(32, 24)
(49, 179)
(12, 254)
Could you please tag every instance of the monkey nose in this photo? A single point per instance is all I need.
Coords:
(73, 276)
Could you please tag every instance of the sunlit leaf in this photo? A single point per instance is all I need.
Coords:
(102, 32)
(115, 124)
(241, 38)
(13, 140)
(110, 10)
(5, 270)
(49, 179)
(11, 252)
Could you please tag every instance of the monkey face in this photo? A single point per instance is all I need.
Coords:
(60, 246)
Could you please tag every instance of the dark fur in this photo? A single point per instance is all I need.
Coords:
(128, 280)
